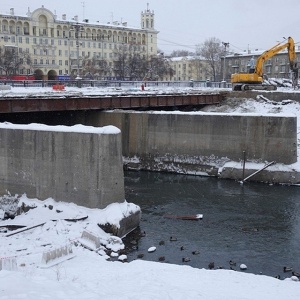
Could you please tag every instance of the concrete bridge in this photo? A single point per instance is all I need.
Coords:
(185, 142)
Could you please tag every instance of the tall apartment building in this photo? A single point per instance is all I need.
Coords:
(58, 46)
(276, 67)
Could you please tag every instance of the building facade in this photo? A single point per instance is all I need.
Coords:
(58, 47)
(276, 67)
(188, 68)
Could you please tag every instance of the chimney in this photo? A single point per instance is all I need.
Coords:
(76, 18)
(12, 11)
(64, 17)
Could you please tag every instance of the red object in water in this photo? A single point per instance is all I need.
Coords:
(143, 87)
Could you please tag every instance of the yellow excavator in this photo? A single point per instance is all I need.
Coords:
(254, 79)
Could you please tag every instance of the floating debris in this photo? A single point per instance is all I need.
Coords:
(188, 217)
(152, 249)
(243, 267)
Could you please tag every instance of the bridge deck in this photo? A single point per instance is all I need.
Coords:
(65, 102)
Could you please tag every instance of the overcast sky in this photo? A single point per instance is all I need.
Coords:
(244, 24)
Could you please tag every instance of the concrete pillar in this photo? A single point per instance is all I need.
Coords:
(80, 164)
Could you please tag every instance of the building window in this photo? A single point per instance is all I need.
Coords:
(60, 62)
(20, 40)
(27, 40)
(66, 62)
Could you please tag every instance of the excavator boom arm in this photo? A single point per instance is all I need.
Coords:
(290, 45)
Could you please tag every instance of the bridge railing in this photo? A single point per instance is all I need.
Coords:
(116, 83)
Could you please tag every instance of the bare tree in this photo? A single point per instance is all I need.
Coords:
(94, 67)
(129, 63)
(11, 61)
(158, 67)
(211, 50)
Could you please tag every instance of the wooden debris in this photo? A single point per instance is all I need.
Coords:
(188, 217)
(76, 219)
(12, 227)
(24, 229)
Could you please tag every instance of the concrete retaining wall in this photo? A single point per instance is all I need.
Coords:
(195, 143)
(74, 164)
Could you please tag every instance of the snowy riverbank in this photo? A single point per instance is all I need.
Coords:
(95, 274)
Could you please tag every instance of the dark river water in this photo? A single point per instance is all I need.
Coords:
(252, 223)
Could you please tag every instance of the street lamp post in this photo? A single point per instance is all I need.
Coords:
(225, 46)
(77, 28)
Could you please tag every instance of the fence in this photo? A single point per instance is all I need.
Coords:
(115, 83)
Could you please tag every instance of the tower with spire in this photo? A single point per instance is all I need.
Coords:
(147, 19)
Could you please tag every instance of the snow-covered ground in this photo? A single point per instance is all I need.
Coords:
(86, 274)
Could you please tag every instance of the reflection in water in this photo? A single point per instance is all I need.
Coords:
(255, 224)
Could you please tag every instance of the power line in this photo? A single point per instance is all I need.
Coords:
(177, 44)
